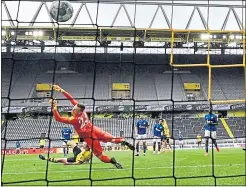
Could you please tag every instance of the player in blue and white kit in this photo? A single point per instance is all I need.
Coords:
(141, 134)
(181, 142)
(66, 135)
(158, 132)
(210, 130)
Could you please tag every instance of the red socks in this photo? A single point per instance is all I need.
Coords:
(104, 158)
(117, 140)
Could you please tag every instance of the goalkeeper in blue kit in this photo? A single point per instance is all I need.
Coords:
(158, 132)
(210, 130)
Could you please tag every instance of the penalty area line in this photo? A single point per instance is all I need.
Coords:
(107, 169)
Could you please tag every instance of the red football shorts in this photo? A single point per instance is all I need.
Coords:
(94, 137)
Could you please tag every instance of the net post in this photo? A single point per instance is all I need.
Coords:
(244, 63)
(209, 82)
(208, 56)
(172, 42)
(228, 101)
(209, 70)
(228, 66)
(244, 46)
(189, 65)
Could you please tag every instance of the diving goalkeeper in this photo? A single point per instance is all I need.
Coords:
(91, 134)
(81, 156)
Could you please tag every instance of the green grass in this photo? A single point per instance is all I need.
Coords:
(188, 163)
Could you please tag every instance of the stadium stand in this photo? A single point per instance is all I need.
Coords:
(226, 84)
(190, 127)
(150, 83)
(237, 126)
(5, 80)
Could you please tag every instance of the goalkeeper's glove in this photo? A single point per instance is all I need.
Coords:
(53, 102)
(57, 88)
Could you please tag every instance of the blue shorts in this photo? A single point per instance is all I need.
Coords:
(65, 142)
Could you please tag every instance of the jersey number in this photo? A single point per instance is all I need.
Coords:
(81, 122)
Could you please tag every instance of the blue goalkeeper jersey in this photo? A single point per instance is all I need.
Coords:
(142, 126)
(211, 122)
(66, 133)
(158, 129)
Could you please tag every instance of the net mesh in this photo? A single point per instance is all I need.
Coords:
(97, 62)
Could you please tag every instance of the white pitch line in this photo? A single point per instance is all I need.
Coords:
(14, 160)
(182, 159)
(106, 169)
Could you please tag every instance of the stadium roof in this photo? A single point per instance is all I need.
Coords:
(219, 15)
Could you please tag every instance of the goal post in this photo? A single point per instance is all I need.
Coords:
(211, 37)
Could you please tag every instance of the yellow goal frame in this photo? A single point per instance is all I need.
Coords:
(208, 64)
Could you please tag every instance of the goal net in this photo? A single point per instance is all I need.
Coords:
(125, 61)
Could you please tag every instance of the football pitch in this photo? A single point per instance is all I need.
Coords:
(148, 170)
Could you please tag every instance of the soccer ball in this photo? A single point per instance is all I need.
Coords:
(61, 11)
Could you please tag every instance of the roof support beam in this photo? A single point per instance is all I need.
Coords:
(127, 14)
(164, 14)
(8, 14)
(205, 24)
(117, 13)
(145, 2)
(239, 23)
(78, 12)
(226, 19)
(48, 12)
(36, 14)
(87, 10)
(190, 19)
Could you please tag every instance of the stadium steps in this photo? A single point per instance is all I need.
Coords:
(181, 82)
(227, 128)
(81, 83)
(217, 84)
(237, 126)
(155, 86)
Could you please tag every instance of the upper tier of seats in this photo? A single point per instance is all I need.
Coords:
(148, 82)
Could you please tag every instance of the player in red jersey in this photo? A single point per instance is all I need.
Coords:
(91, 134)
